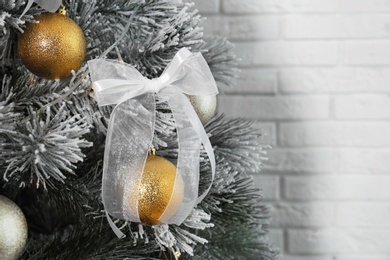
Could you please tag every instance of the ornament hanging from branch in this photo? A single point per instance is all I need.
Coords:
(205, 107)
(52, 47)
(129, 173)
(13, 230)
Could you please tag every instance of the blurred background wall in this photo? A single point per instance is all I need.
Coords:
(316, 78)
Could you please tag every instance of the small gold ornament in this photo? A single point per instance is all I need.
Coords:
(53, 47)
(13, 230)
(157, 190)
(205, 107)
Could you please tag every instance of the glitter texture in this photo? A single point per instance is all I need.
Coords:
(13, 230)
(204, 106)
(53, 47)
(156, 190)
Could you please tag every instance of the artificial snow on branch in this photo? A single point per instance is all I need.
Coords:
(50, 147)
(53, 138)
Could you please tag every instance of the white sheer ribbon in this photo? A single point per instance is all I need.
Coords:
(131, 130)
(48, 5)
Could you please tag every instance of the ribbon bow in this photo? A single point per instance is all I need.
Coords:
(131, 129)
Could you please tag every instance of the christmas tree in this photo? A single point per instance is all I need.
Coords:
(53, 135)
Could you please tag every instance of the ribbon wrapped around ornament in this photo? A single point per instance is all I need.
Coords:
(131, 130)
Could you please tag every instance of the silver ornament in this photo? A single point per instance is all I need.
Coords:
(13, 230)
(205, 107)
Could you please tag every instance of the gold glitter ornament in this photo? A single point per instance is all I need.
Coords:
(52, 47)
(204, 106)
(13, 230)
(157, 190)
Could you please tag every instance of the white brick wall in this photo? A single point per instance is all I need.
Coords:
(316, 77)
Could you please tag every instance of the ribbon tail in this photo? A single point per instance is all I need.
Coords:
(197, 124)
(187, 168)
(114, 228)
(210, 152)
(201, 133)
(128, 141)
(190, 136)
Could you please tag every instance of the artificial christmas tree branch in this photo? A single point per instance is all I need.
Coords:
(53, 139)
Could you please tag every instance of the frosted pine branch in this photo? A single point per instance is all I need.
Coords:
(49, 149)
(238, 143)
(223, 62)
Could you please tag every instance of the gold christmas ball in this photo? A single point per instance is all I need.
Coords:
(205, 107)
(157, 190)
(52, 47)
(13, 230)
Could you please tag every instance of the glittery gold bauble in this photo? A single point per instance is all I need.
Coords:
(205, 107)
(13, 230)
(53, 47)
(157, 190)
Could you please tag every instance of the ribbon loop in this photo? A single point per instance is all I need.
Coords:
(132, 125)
(113, 79)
